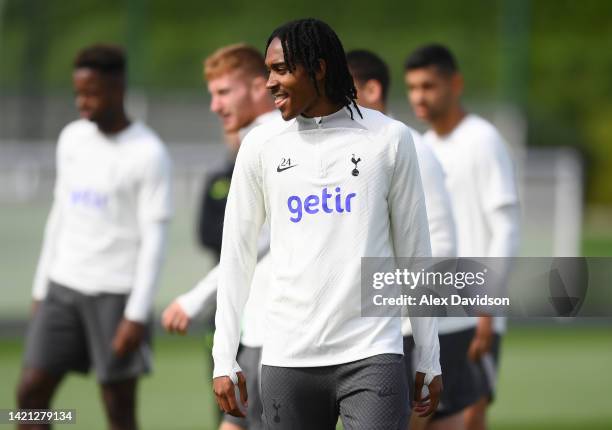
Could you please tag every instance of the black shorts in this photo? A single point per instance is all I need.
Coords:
(488, 368)
(72, 331)
(249, 360)
(462, 378)
(368, 394)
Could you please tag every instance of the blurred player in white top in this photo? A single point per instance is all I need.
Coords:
(481, 183)
(236, 76)
(372, 81)
(461, 389)
(103, 247)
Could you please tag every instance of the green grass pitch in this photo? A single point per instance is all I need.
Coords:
(551, 378)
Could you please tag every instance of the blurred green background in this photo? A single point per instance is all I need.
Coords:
(551, 58)
(548, 60)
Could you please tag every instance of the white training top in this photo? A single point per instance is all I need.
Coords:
(481, 182)
(261, 119)
(334, 190)
(441, 224)
(201, 299)
(109, 189)
(437, 200)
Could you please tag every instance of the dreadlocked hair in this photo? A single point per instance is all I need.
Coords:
(305, 42)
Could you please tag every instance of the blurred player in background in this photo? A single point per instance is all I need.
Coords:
(103, 247)
(336, 183)
(241, 104)
(236, 77)
(238, 100)
(482, 186)
(372, 80)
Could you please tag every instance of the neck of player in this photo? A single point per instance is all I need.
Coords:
(447, 123)
(114, 122)
(322, 107)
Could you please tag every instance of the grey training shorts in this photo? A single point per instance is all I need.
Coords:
(368, 394)
(72, 331)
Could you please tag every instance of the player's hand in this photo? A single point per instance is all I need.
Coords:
(174, 319)
(225, 394)
(425, 406)
(481, 344)
(128, 336)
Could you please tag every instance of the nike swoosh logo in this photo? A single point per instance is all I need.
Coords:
(282, 169)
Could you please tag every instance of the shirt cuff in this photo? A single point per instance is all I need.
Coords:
(224, 370)
(190, 306)
(428, 361)
(136, 313)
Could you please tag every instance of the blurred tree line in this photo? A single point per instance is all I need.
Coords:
(551, 58)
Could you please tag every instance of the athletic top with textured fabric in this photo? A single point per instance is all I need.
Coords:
(108, 188)
(201, 300)
(441, 225)
(481, 182)
(334, 189)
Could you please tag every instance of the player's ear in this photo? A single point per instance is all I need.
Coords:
(258, 87)
(320, 74)
(115, 86)
(457, 84)
(372, 91)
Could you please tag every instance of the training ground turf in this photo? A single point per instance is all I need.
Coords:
(552, 378)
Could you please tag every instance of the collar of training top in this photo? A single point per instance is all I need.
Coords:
(338, 119)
